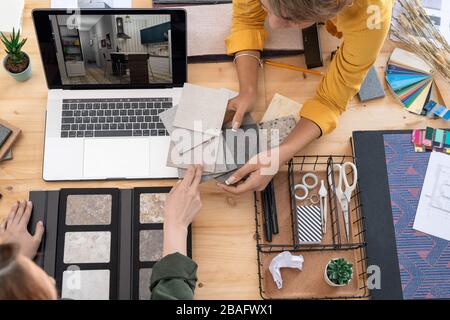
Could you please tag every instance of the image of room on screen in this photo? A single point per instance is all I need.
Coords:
(113, 49)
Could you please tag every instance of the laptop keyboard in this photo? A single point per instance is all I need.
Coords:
(126, 117)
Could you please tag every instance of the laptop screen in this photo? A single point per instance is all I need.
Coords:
(113, 48)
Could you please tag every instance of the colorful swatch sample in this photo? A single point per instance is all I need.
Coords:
(423, 259)
(431, 139)
(411, 80)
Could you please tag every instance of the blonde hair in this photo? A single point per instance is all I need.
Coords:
(16, 280)
(307, 10)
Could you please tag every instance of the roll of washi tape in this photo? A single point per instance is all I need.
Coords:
(312, 176)
(305, 190)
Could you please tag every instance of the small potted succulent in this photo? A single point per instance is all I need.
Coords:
(338, 272)
(16, 62)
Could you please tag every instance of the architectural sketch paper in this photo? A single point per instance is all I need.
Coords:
(433, 211)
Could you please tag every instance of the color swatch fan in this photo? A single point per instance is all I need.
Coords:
(411, 80)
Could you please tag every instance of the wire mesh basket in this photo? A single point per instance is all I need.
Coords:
(335, 243)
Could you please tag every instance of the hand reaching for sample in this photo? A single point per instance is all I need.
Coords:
(182, 205)
(261, 168)
(238, 107)
(258, 172)
(13, 229)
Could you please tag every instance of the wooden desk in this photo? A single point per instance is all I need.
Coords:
(224, 231)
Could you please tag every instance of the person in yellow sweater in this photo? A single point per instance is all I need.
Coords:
(362, 24)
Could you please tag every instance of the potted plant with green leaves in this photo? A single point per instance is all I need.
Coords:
(338, 272)
(17, 63)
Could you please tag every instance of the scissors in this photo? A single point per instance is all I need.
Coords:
(344, 195)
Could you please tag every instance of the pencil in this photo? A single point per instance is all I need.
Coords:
(290, 67)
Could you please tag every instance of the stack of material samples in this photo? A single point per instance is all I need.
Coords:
(195, 127)
(411, 80)
(198, 135)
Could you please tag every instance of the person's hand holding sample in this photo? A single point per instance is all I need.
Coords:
(13, 229)
(261, 168)
(182, 204)
(238, 107)
(257, 173)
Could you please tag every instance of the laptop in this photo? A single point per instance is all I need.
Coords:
(109, 74)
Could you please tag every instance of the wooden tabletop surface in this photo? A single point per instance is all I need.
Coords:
(224, 231)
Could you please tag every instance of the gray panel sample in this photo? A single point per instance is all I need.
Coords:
(371, 88)
(283, 125)
(150, 245)
(144, 283)
(243, 145)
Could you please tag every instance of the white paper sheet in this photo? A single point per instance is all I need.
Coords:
(11, 15)
(209, 25)
(93, 4)
(433, 212)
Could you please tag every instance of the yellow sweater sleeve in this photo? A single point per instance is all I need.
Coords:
(247, 29)
(360, 48)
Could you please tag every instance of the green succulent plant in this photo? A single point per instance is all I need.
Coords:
(13, 46)
(340, 271)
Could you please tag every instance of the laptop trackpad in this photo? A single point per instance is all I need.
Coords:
(116, 158)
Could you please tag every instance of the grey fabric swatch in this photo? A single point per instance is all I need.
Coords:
(243, 145)
(201, 105)
(192, 140)
(167, 118)
(371, 88)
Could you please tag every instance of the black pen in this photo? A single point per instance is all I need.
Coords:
(267, 226)
(273, 207)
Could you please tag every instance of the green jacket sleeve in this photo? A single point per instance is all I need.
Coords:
(173, 278)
